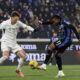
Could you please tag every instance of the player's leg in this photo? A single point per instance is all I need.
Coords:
(48, 56)
(5, 56)
(60, 51)
(21, 54)
(5, 52)
(22, 57)
(59, 65)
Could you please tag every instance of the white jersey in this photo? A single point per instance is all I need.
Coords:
(12, 30)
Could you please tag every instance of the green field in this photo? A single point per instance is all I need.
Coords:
(8, 73)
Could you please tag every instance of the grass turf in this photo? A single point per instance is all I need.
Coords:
(72, 73)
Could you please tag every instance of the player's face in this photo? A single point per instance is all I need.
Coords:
(55, 21)
(14, 19)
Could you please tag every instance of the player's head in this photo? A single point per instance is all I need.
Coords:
(55, 20)
(15, 17)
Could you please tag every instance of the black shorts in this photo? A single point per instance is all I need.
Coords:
(62, 49)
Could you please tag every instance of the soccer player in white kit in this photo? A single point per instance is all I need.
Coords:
(8, 40)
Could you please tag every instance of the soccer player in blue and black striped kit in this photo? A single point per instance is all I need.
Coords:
(60, 45)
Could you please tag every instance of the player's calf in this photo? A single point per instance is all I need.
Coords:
(4, 57)
(22, 56)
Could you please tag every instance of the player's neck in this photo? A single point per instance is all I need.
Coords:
(13, 23)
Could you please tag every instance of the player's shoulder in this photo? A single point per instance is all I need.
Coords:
(5, 22)
(19, 21)
(65, 23)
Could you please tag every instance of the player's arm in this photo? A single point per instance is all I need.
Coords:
(28, 28)
(45, 22)
(75, 31)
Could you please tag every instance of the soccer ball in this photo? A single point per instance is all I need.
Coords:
(33, 64)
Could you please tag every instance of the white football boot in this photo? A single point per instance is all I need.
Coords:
(42, 67)
(60, 74)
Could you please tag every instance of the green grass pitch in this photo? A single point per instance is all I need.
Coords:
(72, 72)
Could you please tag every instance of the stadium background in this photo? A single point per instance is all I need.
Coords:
(34, 11)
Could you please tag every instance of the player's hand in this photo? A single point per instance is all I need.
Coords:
(36, 29)
(40, 22)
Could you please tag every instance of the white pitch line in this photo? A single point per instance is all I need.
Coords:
(72, 70)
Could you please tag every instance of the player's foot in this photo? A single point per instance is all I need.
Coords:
(20, 73)
(42, 67)
(60, 74)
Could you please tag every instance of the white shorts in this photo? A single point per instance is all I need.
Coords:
(5, 46)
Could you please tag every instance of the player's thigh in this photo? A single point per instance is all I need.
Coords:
(5, 49)
(17, 49)
(63, 49)
(51, 45)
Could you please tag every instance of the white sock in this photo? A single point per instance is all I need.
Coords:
(44, 64)
(2, 59)
(60, 71)
(21, 62)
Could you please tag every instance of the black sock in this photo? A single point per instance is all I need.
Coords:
(48, 56)
(58, 61)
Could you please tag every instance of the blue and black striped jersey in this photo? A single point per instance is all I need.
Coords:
(65, 33)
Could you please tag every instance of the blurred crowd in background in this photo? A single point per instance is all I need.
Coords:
(35, 11)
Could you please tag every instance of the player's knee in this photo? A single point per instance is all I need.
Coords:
(6, 54)
(51, 46)
(49, 51)
(21, 54)
(24, 56)
(6, 57)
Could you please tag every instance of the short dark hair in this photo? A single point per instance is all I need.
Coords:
(15, 13)
(56, 16)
